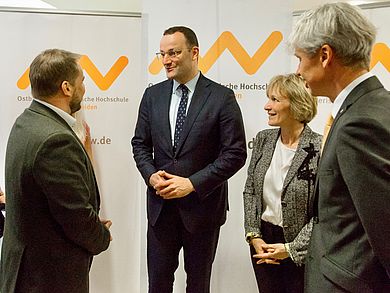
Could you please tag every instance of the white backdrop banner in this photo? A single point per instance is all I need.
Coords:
(112, 70)
(380, 61)
(242, 45)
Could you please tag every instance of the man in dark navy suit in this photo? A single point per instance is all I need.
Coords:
(189, 140)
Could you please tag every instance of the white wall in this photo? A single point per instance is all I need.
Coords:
(304, 4)
(136, 5)
(102, 5)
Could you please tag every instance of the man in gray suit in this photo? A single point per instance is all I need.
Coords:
(349, 250)
(52, 228)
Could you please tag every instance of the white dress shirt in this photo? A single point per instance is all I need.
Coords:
(175, 101)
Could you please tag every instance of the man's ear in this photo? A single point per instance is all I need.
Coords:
(326, 55)
(195, 53)
(66, 88)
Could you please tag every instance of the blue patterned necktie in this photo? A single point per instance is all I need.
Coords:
(181, 115)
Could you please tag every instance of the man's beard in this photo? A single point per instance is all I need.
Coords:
(74, 106)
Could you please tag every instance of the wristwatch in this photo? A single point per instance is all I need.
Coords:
(252, 235)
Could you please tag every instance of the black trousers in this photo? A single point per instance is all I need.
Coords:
(1, 224)
(165, 241)
(2, 220)
(284, 278)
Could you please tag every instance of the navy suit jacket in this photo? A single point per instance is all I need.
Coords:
(349, 250)
(211, 149)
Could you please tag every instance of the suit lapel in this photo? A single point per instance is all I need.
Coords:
(163, 110)
(299, 157)
(360, 90)
(198, 100)
(269, 148)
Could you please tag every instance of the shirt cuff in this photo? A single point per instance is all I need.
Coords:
(287, 247)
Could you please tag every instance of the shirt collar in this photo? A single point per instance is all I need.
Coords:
(346, 91)
(67, 117)
(190, 84)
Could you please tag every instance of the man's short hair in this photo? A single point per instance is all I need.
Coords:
(192, 40)
(340, 25)
(49, 69)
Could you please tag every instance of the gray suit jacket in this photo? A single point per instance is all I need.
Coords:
(52, 227)
(298, 188)
(349, 250)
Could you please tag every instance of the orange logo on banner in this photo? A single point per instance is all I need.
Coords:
(380, 53)
(103, 82)
(227, 41)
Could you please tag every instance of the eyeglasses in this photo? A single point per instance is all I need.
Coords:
(171, 54)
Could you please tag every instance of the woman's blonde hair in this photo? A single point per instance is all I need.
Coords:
(303, 106)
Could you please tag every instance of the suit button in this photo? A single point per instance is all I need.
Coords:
(175, 161)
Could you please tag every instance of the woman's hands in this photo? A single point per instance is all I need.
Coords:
(269, 253)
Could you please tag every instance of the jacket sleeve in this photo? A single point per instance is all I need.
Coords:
(252, 210)
(142, 142)
(61, 171)
(232, 154)
(299, 246)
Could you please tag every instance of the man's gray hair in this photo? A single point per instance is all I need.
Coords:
(340, 25)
